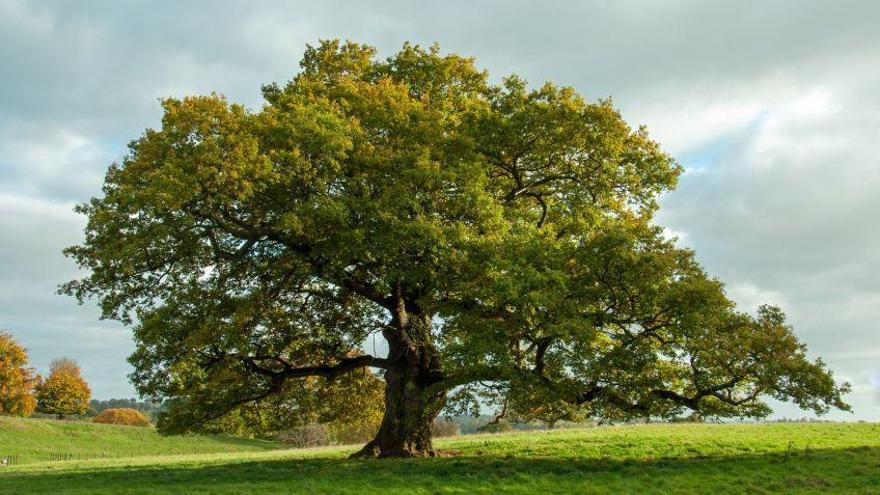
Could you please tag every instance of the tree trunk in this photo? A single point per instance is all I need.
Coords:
(411, 403)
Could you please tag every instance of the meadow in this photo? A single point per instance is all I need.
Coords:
(657, 458)
(30, 441)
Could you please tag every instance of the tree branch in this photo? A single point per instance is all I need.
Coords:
(289, 371)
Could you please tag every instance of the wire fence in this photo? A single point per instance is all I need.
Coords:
(9, 460)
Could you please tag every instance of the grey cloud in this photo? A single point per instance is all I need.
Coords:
(789, 209)
(50, 326)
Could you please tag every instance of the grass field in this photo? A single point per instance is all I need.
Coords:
(36, 440)
(754, 458)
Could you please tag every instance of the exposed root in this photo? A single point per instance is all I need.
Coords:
(374, 451)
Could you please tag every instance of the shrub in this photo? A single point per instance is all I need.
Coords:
(122, 416)
(312, 435)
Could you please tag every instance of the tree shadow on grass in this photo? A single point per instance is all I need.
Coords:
(852, 470)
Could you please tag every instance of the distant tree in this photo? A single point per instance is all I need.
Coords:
(64, 392)
(547, 412)
(443, 427)
(149, 409)
(528, 406)
(492, 233)
(17, 380)
(499, 426)
(690, 418)
(310, 435)
(121, 416)
(64, 365)
(469, 424)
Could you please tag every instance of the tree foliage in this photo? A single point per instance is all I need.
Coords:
(349, 409)
(17, 380)
(493, 234)
(64, 392)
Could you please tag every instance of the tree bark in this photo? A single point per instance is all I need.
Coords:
(411, 404)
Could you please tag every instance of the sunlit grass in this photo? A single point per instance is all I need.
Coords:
(760, 458)
(37, 440)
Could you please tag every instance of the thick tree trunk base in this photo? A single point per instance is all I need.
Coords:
(374, 451)
(410, 402)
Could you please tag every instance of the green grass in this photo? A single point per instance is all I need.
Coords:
(36, 440)
(760, 458)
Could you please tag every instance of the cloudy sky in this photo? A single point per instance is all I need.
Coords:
(773, 108)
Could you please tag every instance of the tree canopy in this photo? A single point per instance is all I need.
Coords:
(64, 392)
(17, 379)
(349, 408)
(496, 235)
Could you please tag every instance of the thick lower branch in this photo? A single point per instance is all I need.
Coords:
(691, 402)
(289, 371)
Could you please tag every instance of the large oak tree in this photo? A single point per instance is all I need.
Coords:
(494, 234)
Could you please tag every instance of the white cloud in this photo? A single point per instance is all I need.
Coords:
(22, 15)
(749, 296)
(785, 212)
(58, 163)
(35, 231)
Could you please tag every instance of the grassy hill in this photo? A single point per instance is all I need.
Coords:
(757, 458)
(35, 440)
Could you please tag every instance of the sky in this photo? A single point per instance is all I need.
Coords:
(772, 107)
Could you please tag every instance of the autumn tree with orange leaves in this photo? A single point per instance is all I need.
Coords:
(17, 380)
(65, 392)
